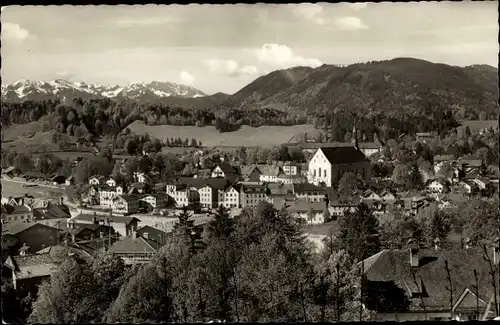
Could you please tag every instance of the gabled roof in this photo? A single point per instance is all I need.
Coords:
(127, 198)
(271, 170)
(440, 158)
(253, 189)
(17, 209)
(341, 155)
(8, 170)
(226, 168)
(303, 206)
(16, 227)
(113, 219)
(129, 245)
(33, 266)
(307, 187)
(59, 252)
(51, 211)
(394, 266)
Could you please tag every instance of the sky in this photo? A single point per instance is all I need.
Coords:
(221, 48)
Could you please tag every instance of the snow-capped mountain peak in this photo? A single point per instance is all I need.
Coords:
(34, 90)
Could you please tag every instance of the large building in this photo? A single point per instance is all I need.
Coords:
(328, 165)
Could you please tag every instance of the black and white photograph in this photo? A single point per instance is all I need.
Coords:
(234, 163)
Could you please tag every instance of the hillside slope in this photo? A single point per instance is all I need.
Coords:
(389, 87)
(267, 86)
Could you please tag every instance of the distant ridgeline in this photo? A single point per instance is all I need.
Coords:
(390, 97)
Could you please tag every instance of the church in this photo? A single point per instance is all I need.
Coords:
(329, 164)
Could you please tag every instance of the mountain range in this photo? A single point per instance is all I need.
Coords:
(407, 85)
(35, 90)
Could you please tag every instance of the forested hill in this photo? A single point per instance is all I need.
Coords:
(402, 85)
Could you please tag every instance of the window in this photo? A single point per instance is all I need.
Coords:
(314, 173)
(319, 172)
(324, 173)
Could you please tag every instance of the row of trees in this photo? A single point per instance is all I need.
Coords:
(253, 268)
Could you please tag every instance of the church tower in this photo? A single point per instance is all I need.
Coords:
(354, 138)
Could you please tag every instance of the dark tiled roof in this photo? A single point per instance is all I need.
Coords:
(394, 266)
(16, 227)
(112, 219)
(340, 155)
(226, 168)
(58, 252)
(138, 245)
(253, 189)
(307, 187)
(52, 211)
(20, 209)
(303, 206)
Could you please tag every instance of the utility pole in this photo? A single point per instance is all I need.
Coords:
(361, 293)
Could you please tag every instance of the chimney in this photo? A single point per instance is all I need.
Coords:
(71, 225)
(94, 219)
(24, 250)
(414, 258)
(73, 237)
(145, 235)
(92, 237)
(101, 234)
(61, 201)
(134, 234)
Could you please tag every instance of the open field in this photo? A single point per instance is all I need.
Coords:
(476, 125)
(264, 136)
(17, 131)
(12, 188)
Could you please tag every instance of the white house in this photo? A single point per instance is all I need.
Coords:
(223, 170)
(125, 204)
(387, 196)
(156, 200)
(437, 187)
(96, 180)
(111, 182)
(183, 194)
(231, 197)
(328, 165)
(140, 177)
(107, 194)
(371, 195)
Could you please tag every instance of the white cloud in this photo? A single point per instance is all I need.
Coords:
(187, 78)
(283, 56)
(357, 5)
(14, 32)
(310, 12)
(349, 23)
(230, 68)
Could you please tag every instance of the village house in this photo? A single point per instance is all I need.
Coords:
(154, 234)
(481, 182)
(252, 195)
(328, 165)
(96, 180)
(29, 270)
(441, 160)
(34, 235)
(183, 194)
(52, 215)
(107, 194)
(140, 177)
(58, 179)
(309, 192)
(291, 169)
(369, 194)
(156, 200)
(465, 186)
(125, 204)
(70, 181)
(84, 231)
(16, 213)
(310, 212)
(437, 186)
(413, 205)
(225, 170)
(279, 193)
(231, 197)
(470, 165)
(387, 196)
(135, 249)
(412, 284)
(370, 148)
(111, 182)
(337, 209)
(123, 225)
(424, 137)
(209, 190)
(273, 174)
